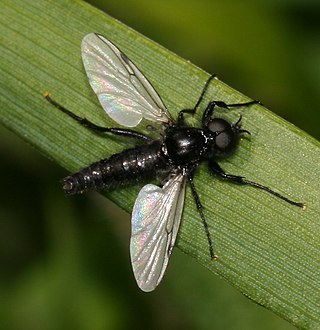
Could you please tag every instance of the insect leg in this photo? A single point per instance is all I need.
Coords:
(193, 111)
(204, 221)
(88, 124)
(241, 104)
(215, 168)
(212, 104)
(209, 111)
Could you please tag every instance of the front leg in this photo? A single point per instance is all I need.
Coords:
(206, 117)
(215, 168)
(211, 106)
(181, 121)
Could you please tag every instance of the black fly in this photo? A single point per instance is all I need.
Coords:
(127, 97)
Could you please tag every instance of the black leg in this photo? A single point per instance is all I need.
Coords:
(181, 121)
(204, 222)
(93, 127)
(203, 92)
(193, 111)
(209, 111)
(215, 168)
(211, 106)
(224, 105)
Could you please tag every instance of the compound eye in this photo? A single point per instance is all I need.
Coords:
(225, 139)
(218, 125)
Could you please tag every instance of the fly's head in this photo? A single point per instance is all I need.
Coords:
(224, 136)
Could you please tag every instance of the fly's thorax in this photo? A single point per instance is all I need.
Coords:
(185, 145)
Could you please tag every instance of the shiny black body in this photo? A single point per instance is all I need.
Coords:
(181, 149)
(184, 146)
(127, 167)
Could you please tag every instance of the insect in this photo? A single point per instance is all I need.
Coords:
(127, 97)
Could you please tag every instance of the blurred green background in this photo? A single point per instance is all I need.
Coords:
(65, 261)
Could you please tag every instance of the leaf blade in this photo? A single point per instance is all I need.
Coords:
(268, 250)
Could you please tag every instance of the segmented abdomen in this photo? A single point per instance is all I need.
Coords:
(126, 167)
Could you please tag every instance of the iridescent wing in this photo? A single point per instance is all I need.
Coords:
(123, 91)
(156, 219)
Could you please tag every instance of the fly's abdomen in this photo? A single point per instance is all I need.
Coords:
(129, 166)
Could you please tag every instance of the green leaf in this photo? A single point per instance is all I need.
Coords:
(268, 249)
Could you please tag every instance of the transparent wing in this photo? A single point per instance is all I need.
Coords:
(123, 91)
(155, 223)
